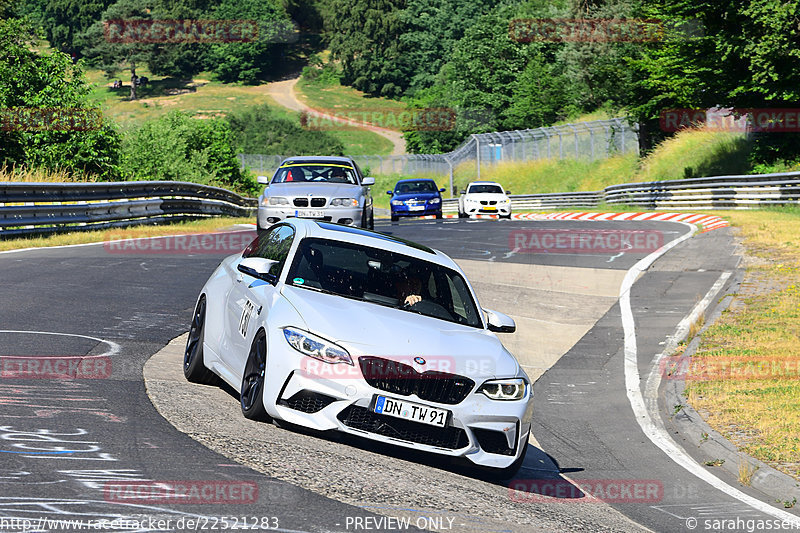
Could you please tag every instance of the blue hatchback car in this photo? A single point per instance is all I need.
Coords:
(414, 198)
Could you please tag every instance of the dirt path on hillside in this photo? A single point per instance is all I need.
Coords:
(284, 94)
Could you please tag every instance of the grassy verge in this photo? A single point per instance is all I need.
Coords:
(345, 101)
(750, 358)
(83, 237)
(202, 97)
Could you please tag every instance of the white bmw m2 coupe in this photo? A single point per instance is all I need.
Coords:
(332, 327)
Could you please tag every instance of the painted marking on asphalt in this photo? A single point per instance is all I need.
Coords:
(113, 347)
(647, 417)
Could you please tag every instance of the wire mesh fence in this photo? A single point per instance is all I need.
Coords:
(592, 140)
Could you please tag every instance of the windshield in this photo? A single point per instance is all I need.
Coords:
(383, 278)
(408, 187)
(315, 173)
(493, 189)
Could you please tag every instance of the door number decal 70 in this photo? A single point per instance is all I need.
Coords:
(245, 320)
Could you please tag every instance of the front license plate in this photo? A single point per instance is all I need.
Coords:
(411, 411)
(416, 207)
(490, 208)
(309, 214)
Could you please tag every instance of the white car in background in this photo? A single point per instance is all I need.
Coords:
(332, 327)
(485, 198)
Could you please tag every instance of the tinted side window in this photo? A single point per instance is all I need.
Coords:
(274, 244)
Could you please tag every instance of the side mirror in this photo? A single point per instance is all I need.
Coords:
(463, 191)
(508, 192)
(441, 190)
(390, 193)
(258, 267)
(368, 181)
(500, 323)
(263, 180)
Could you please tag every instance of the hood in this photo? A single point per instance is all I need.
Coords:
(415, 195)
(304, 188)
(365, 328)
(496, 196)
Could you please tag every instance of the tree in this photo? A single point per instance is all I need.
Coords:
(258, 131)
(251, 61)
(51, 90)
(111, 51)
(365, 36)
(430, 29)
(179, 147)
(63, 20)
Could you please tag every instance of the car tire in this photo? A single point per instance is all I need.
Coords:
(507, 217)
(462, 215)
(371, 219)
(438, 216)
(251, 394)
(194, 369)
(395, 218)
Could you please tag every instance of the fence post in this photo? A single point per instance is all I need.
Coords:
(478, 153)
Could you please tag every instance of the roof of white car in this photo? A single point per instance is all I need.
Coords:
(483, 183)
(339, 232)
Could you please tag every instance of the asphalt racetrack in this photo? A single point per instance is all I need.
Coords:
(66, 445)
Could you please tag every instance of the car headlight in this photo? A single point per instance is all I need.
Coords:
(506, 201)
(470, 200)
(316, 347)
(504, 389)
(277, 200)
(397, 202)
(434, 201)
(344, 202)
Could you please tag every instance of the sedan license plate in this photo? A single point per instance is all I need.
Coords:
(411, 411)
(416, 207)
(309, 214)
(490, 208)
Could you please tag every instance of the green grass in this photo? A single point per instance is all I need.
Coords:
(758, 413)
(696, 153)
(688, 154)
(346, 101)
(203, 98)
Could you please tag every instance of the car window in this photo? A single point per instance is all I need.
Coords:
(482, 188)
(315, 173)
(415, 186)
(383, 278)
(274, 244)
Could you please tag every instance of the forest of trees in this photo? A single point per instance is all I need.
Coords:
(457, 54)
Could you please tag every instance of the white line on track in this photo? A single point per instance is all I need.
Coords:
(647, 417)
(113, 347)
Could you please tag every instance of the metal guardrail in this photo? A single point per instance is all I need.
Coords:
(719, 192)
(28, 208)
(37, 208)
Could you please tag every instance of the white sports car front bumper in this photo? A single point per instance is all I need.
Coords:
(321, 396)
